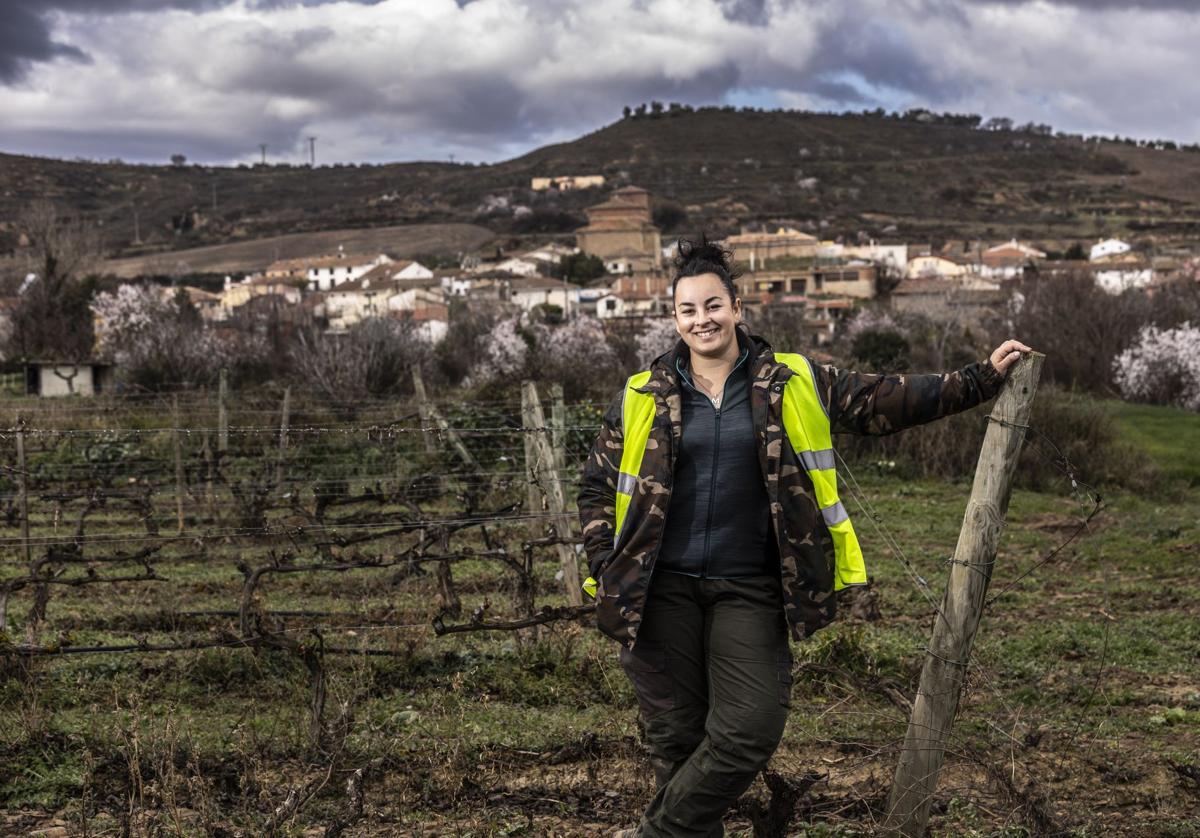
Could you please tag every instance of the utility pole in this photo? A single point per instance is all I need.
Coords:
(263, 146)
(137, 234)
(214, 194)
(312, 152)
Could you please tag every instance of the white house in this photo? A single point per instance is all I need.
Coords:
(1008, 260)
(535, 291)
(374, 295)
(408, 269)
(550, 253)
(1108, 247)
(516, 265)
(894, 256)
(610, 305)
(565, 183)
(322, 273)
(1121, 271)
(457, 285)
(630, 304)
(933, 266)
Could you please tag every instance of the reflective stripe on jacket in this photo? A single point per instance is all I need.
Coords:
(806, 423)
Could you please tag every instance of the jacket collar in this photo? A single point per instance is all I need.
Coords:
(664, 378)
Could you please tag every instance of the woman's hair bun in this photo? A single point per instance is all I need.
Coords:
(699, 256)
(696, 257)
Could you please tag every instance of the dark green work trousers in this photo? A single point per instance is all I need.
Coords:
(712, 671)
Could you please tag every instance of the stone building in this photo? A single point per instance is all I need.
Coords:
(621, 233)
(753, 249)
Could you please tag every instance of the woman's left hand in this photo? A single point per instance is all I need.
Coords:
(1007, 354)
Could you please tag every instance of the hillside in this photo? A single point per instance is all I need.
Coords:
(840, 173)
(405, 241)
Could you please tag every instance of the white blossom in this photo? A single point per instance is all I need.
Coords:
(1162, 367)
(579, 342)
(658, 336)
(869, 320)
(503, 354)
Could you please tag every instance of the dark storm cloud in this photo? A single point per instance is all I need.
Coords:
(25, 25)
(25, 36)
(881, 55)
(835, 91)
(491, 77)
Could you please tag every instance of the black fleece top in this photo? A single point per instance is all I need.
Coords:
(718, 521)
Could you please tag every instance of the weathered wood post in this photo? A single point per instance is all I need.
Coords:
(545, 475)
(284, 417)
(558, 427)
(423, 410)
(177, 444)
(23, 489)
(533, 499)
(223, 411)
(451, 604)
(210, 500)
(962, 606)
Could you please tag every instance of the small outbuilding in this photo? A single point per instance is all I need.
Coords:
(67, 378)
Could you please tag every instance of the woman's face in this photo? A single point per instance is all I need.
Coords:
(705, 317)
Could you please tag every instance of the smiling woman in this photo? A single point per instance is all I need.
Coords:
(712, 524)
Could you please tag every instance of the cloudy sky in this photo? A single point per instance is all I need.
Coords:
(484, 80)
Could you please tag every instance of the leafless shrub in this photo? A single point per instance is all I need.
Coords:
(374, 358)
(52, 318)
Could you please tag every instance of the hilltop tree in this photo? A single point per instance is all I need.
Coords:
(178, 160)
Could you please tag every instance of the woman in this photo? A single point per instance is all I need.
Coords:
(712, 524)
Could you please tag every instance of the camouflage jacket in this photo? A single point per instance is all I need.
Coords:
(857, 403)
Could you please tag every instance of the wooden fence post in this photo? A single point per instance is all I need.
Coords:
(423, 409)
(223, 411)
(543, 459)
(283, 436)
(23, 489)
(558, 427)
(451, 604)
(954, 628)
(210, 500)
(177, 440)
(533, 499)
(455, 441)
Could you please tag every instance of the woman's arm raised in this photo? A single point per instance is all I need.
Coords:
(863, 403)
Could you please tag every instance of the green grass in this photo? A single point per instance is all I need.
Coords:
(1086, 663)
(1168, 436)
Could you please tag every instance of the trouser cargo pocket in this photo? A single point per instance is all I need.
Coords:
(783, 670)
(646, 667)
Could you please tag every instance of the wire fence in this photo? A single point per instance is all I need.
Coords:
(186, 512)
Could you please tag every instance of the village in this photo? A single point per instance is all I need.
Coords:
(618, 270)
